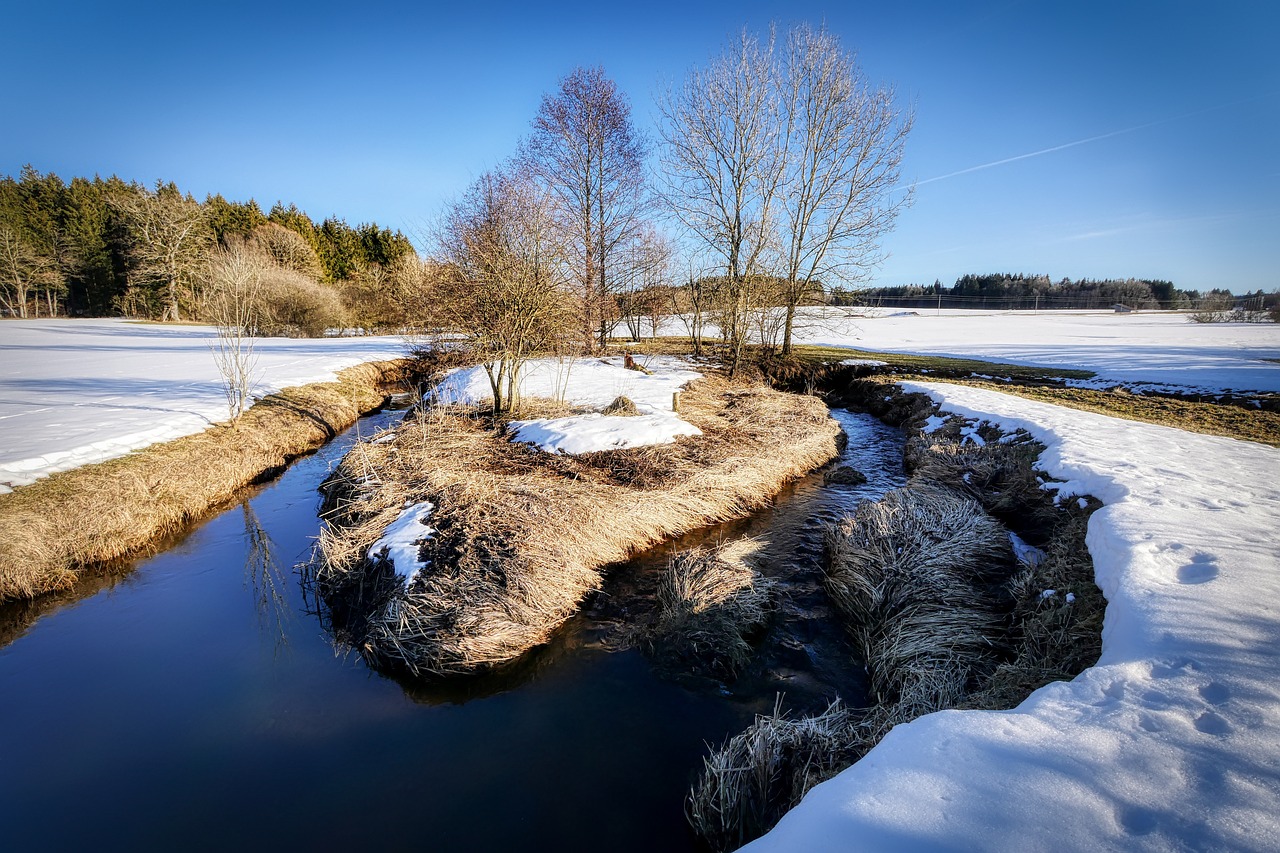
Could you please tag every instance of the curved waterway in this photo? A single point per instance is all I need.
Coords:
(192, 701)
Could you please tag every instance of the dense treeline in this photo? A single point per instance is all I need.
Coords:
(100, 247)
(1010, 291)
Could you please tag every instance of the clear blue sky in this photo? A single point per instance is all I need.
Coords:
(383, 111)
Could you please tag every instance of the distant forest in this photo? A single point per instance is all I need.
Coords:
(1010, 291)
(100, 247)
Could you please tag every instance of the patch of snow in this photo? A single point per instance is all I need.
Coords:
(588, 382)
(592, 382)
(401, 540)
(969, 432)
(1071, 598)
(933, 424)
(1170, 742)
(863, 362)
(1027, 554)
(594, 431)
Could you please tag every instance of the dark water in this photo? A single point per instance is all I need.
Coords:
(192, 702)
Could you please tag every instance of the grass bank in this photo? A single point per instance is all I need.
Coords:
(53, 529)
(521, 536)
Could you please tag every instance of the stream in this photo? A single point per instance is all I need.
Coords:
(191, 700)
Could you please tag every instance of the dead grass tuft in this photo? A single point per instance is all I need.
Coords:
(912, 575)
(622, 406)
(523, 535)
(756, 777)
(53, 528)
(711, 603)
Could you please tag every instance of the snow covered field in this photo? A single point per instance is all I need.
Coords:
(1172, 742)
(74, 392)
(1159, 349)
(594, 383)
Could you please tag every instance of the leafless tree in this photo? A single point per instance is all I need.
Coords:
(586, 152)
(288, 249)
(723, 167)
(694, 299)
(843, 152)
(23, 271)
(236, 275)
(172, 238)
(504, 277)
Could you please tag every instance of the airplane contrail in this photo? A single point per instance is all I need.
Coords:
(1100, 136)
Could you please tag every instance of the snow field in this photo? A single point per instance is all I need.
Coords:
(1172, 741)
(74, 392)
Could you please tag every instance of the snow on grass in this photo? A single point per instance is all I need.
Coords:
(1171, 742)
(592, 383)
(73, 392)
(401, 541)
(594, 431)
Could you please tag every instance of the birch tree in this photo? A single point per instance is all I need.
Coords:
(585, 151)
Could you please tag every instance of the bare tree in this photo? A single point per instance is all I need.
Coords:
(504, 277)
(23, 271)
(694, 299)
(586, 152)
(235, 284)
(172, 236)
(723, 167)
(288, 249)
(844, 142)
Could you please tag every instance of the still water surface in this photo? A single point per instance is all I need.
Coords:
(193, 702)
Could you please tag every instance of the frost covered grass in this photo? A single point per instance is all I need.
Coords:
(521, 535)
(53, 528)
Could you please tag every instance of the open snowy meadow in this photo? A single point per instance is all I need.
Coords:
(1172, 741)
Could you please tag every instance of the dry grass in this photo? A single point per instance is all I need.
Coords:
(523, 534)
(711, 603)
(57, 526)
(757, 776)
(912, 574)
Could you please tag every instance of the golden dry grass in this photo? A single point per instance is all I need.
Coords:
(55, 527)
(522, 535)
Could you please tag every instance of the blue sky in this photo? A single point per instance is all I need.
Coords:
(384, 111)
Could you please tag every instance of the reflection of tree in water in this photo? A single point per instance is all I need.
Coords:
(264, 577)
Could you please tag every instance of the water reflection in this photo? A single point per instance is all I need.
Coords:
(265, 579)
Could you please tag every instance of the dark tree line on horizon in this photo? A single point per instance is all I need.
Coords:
(1019, 291)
